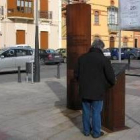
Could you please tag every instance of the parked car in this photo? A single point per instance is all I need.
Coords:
(11, 58)
(53, 57)
(115, 53)
(63, 52)
(107, 53)
(49, 56)
(22, 46)
(134, 53)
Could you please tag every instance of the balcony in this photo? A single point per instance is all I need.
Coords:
(113, 28)
(20, 14)
(46, 15)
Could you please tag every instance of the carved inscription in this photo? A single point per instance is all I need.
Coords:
(77, 40)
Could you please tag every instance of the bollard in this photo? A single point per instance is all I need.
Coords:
(128, 61)
(58, 70)
(19, 75)
(30, 70)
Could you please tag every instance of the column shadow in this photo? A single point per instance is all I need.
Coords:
(60, 91)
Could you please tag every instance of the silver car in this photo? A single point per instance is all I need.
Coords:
(11, 58)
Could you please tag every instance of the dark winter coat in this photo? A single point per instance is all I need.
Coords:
(94, 74)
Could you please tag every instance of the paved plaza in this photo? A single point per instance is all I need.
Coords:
(38, 112)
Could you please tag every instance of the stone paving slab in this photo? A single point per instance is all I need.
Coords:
(38, 112)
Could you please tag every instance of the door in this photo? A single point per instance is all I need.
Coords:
(20, 37)
(136, 43)
(7, 60)
(112, 42)
(22, 58)
(44, 40)
(43, 5)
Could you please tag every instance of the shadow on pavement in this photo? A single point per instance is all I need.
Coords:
(135, 121)
(60, 91)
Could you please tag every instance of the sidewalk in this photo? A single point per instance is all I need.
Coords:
(38, 112)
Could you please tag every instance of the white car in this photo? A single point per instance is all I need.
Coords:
(11, 58)
(107, 53)
(22, 46)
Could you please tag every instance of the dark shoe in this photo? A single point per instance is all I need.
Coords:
(102, 133)
(86, 134)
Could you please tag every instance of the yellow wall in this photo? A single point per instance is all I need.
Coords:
(102, 28)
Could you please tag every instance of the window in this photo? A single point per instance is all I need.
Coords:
(30, 7)
(18, 5)
(30, 52)
(96, 17)
(24, 6)
(112, 19)
(112, 15)
(125, 40)
(9, 53)
(21, 52)
(50, 51)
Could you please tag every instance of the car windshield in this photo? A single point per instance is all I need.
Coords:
(58, 51)
(106, 50)
(2, 50)
(51, 51)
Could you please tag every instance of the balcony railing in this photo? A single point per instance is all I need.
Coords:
(14, 13)
(113, 27)
(46, 15)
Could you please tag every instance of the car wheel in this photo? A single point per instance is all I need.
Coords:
(132, 57)
(42, 62)
(114, 57)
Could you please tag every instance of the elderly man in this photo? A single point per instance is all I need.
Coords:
(95, 75)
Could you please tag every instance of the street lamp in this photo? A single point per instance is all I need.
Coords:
(36, 59)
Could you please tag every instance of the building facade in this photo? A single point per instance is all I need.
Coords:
(17, 23)
(137, 39)
(104, 23)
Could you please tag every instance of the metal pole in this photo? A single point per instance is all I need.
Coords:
(128, 61)
(32, 72)
(19, 75)
(37, 65)
(119, 44)
(58, 70)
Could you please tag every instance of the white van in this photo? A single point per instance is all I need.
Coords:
(11, 58)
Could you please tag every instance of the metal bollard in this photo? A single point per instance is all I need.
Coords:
(19, 75)
(58, 70)
(128, 62)
(30, 71)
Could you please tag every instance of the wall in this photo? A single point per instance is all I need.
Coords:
(9, 27)
(102, 28)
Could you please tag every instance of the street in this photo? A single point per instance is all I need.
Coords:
(50, 71)
(46, 71)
